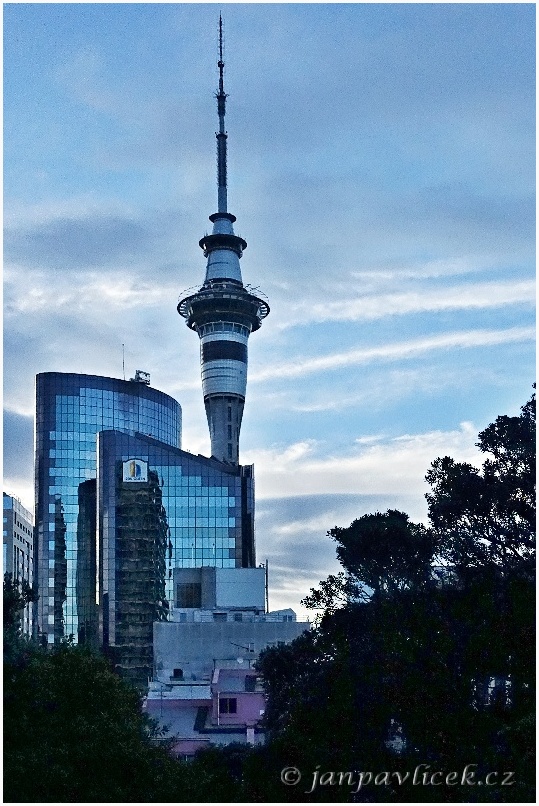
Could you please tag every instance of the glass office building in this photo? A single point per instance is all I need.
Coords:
(118, 506)
(70, 410)
(209, 505)
(161, 508)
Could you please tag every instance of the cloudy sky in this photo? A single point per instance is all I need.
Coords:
(381, 168)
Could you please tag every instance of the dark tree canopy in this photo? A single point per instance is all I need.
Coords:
(486, 518)
(445, 658)
(334, 592)
(16, 596)
(75, 732)
(386, 552)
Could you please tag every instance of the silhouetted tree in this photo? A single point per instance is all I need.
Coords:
(486, 518)
(16, 595)
(386, 552)
(447, 658)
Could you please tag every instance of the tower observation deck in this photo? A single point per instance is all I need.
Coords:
(223, 311)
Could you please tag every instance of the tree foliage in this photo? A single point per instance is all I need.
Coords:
(335, 592)
(386, 552)
(16, 596)
(75, 732)
(444, 660)
(486, 517)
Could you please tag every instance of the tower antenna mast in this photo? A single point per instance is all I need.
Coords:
(221, 134)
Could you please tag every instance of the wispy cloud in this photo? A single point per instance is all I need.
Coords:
(296, 527)
(422, 270)
(398, 351)
(31, 215)
(462, 297)
(92, 294)
(71, 243)
(397, 463)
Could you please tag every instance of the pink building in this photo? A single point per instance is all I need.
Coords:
(226, 709)
(238, 699)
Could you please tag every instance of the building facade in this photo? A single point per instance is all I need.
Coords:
(19, 549)
(132, 570)
(161, 509)
(70, 411)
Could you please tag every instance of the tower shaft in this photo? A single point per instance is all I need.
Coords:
(223, 312)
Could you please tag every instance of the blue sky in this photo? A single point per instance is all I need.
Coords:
(382, 171)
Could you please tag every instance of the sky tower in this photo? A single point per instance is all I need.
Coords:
(223, 312)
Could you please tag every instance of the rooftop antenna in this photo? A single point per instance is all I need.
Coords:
(221, 134)
(123, 360)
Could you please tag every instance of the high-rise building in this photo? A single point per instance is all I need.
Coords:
(160, 509)
(19, 549)
(70, 410)
(119, 505)
(223, 312)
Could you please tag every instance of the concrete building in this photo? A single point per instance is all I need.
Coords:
(19, 549)
(213, 591)
(205, 689)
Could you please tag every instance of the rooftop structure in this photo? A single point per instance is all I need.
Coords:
(224, 709)
(223, 312)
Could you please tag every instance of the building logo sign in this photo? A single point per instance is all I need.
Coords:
(135, 470)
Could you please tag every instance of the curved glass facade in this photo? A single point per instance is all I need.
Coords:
(70, 410)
